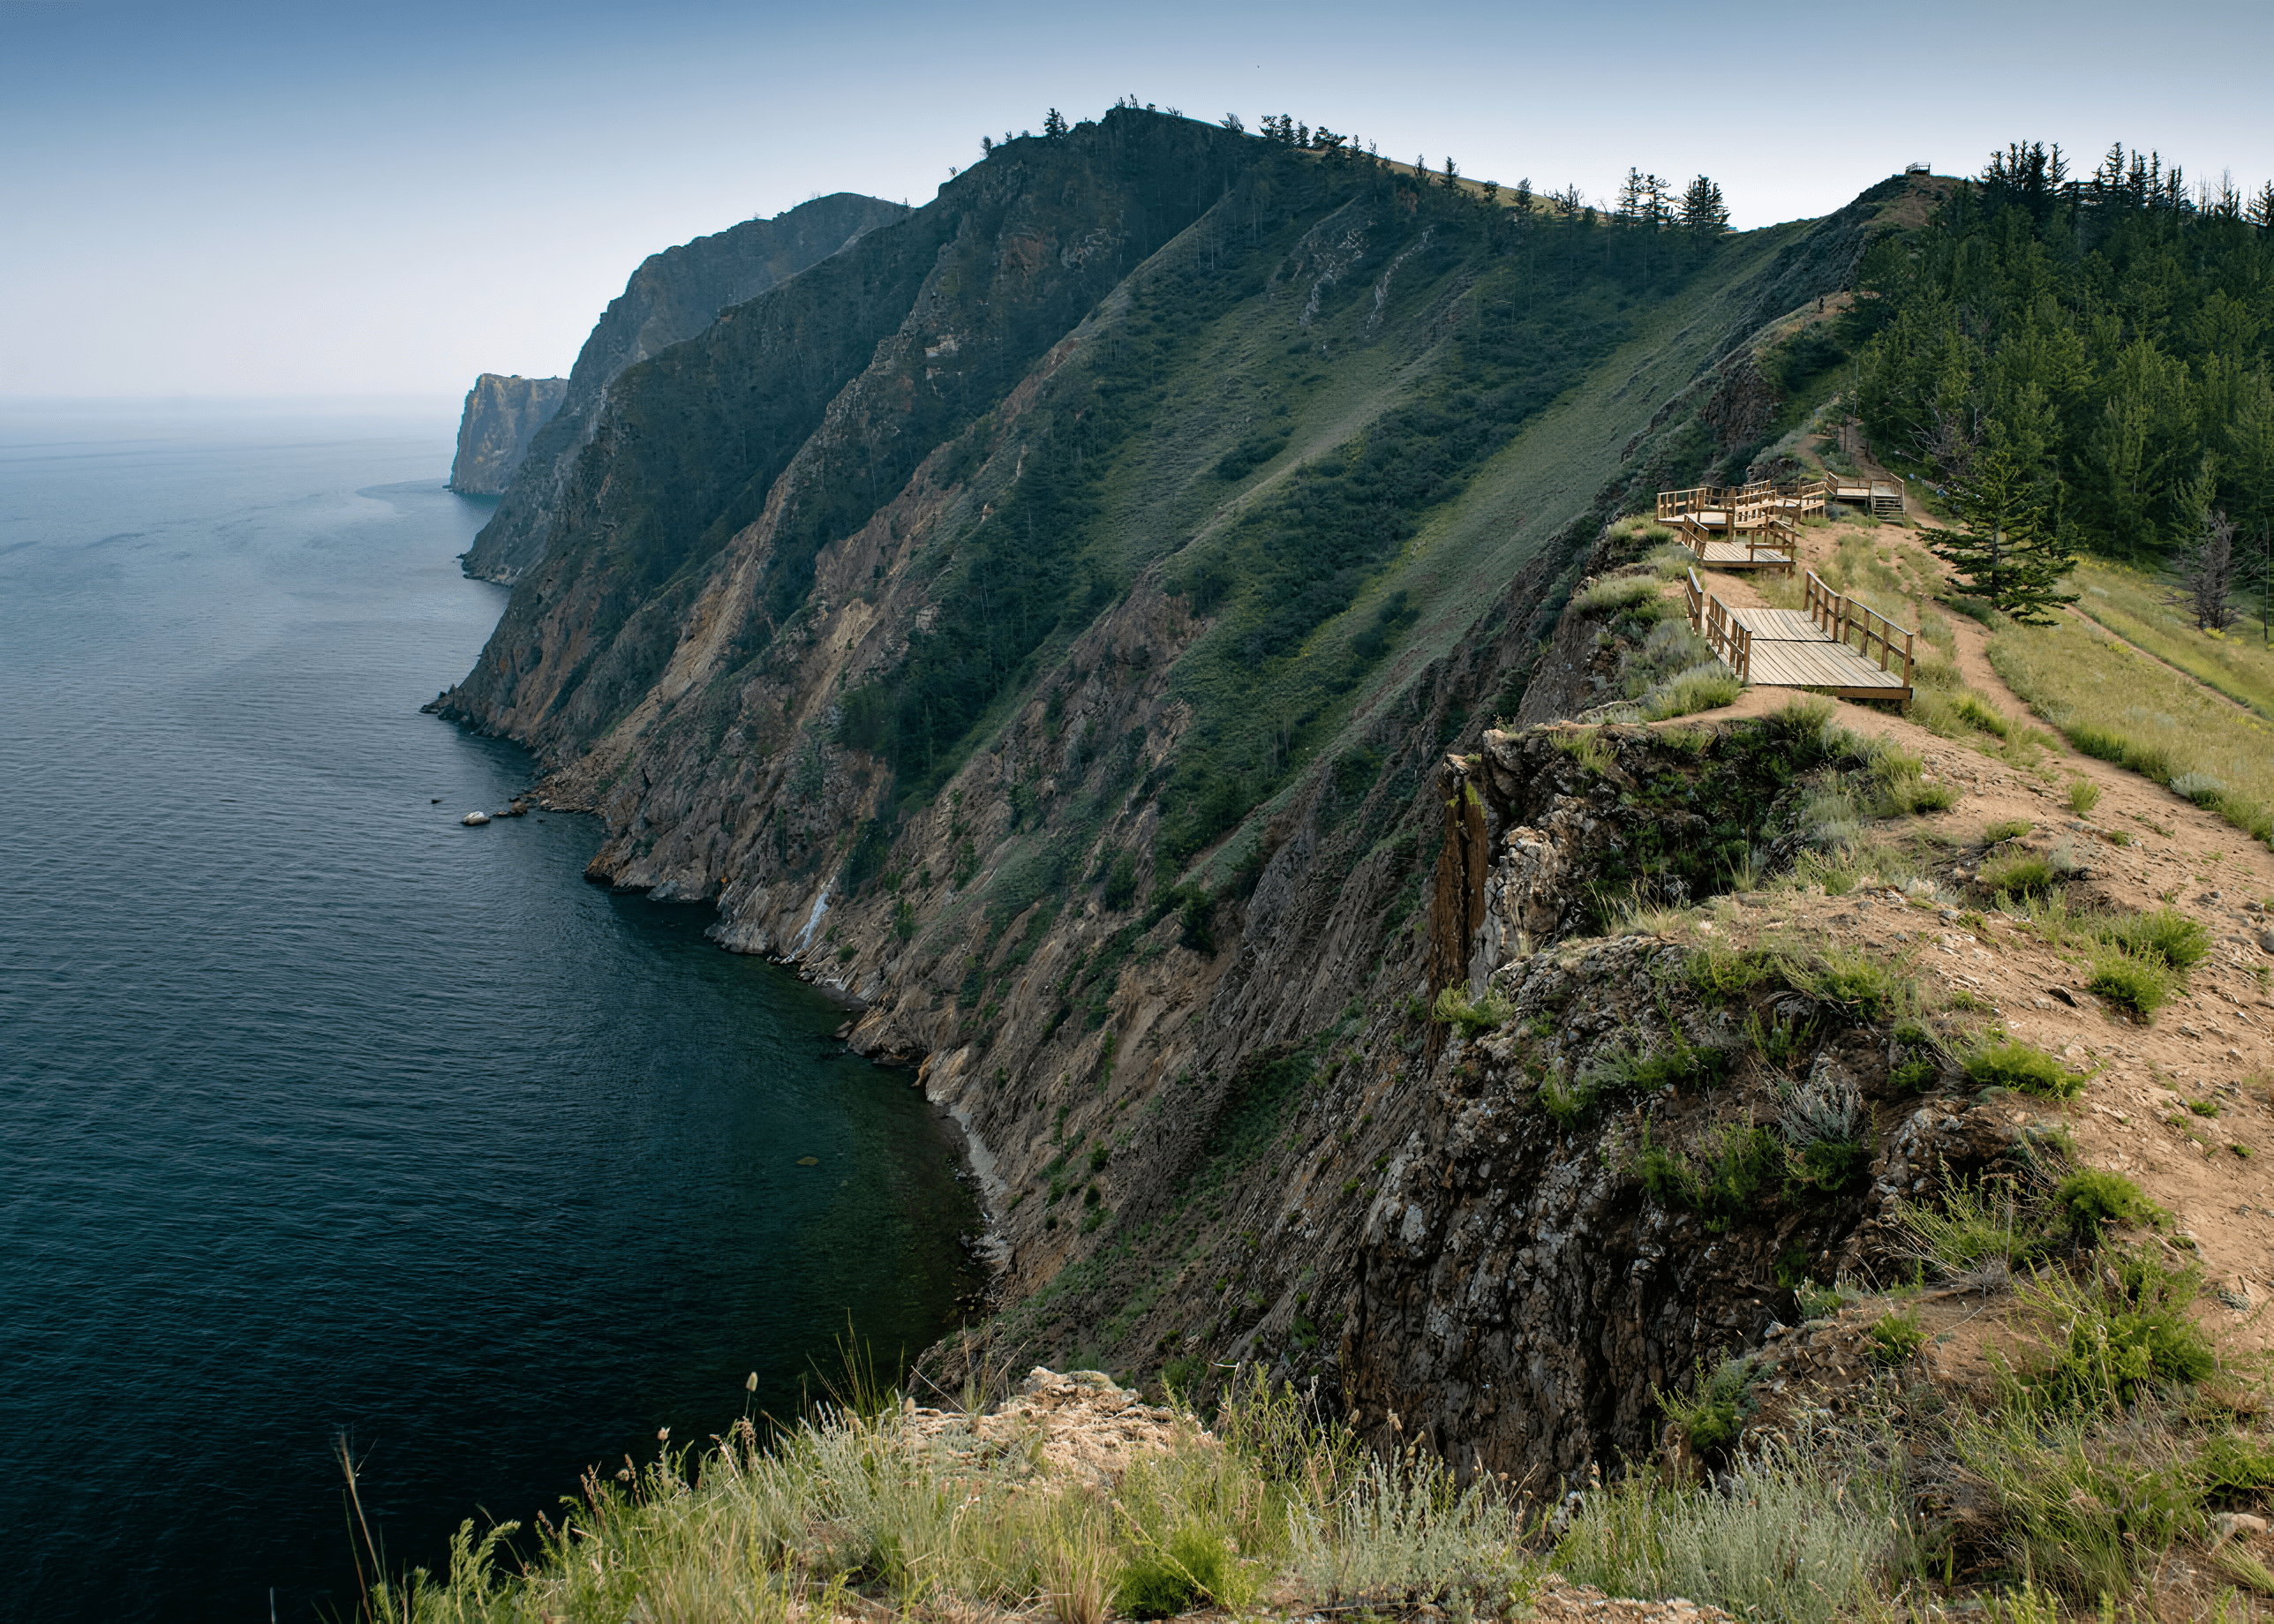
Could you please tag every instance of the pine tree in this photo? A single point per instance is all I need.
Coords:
(1703, 213)
(2010, 551)
(1630, 196)
(1054, 125)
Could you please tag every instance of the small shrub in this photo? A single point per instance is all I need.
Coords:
(2020, 874)
(1977, 714)
(2083, 796)
(1668, 559)
(1859, 986)
(1736, 1168)
(2233, 1470)
(1619, 595)
(2134, 986)
(1896, 1337)
(1726, 975)
(2166, 935)
(1821, 1301)
(1805, 727)
(2124, 1330)
(1925, 797)
(1565, 1100)
(1919, 1074)
(1712, 1416)
(1679, 1063)
(2005, 830)
(1989, 1231)
(1454, 1007)
(1898, 787)
(1703, 687)
(1163, 1579)
(2024, 1068)
(2091, 1199)
(1588, 748)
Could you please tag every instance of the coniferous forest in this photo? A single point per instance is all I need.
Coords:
(2108, 338)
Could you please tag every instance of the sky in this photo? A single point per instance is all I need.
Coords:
(259, 199)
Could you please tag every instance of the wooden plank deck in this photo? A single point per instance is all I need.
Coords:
(1805, 647)
(1718, 555)
(1790, 649)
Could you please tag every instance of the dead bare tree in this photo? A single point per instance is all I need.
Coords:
(2206, 576)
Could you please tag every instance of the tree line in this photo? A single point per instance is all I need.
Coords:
(1646, 201)
(2081, 361)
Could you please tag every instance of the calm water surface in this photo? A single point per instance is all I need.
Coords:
(322, 1114)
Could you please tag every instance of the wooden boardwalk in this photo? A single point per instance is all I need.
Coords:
(1809, 648)
(1768, 548)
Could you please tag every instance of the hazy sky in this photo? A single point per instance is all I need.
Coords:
(253, 198)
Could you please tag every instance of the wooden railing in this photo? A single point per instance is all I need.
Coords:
(1752, 504)
(1807, 495)
(1673, 505)
(1731, 641)
(1875, 634)
(1779, 539)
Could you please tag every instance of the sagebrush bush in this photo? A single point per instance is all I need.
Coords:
(1793, 1533)
(1707, 686)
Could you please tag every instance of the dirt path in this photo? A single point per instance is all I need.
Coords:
(2183, 1105)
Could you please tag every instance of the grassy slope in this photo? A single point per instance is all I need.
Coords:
(2135, 607)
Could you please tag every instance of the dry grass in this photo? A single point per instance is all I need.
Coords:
(2114, 702)
(2135, 607)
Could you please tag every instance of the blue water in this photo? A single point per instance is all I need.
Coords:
(323, 1115)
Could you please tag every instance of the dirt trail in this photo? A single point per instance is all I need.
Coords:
(2183, 1105)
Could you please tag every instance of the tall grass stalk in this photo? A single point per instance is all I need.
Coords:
(1797, 1535)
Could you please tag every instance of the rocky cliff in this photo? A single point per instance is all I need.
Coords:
(673, 296)
(1046, 620)
(501, 416)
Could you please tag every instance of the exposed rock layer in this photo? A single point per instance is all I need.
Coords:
(501, 416)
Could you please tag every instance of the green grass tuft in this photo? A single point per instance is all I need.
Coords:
(2024, 1068)
(2091, 1199)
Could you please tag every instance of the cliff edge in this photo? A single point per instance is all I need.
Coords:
(501, 416)
(674, 296)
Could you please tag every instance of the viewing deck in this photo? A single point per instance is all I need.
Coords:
(1808, 648)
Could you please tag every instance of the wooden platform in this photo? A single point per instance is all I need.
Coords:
(1807, 648)
(1718, 555)
(1790, 649)
(1764, 548)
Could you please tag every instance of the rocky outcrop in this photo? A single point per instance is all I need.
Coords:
(1609, 1182)
(501, 416)
(674, 296)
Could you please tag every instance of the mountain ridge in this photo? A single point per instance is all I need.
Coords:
(1065, 671)
(672, 297)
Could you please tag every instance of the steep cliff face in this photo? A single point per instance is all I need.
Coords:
(501, 416)
(674, 296)
(1045, 621)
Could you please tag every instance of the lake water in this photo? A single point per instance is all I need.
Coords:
(323, 1115)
